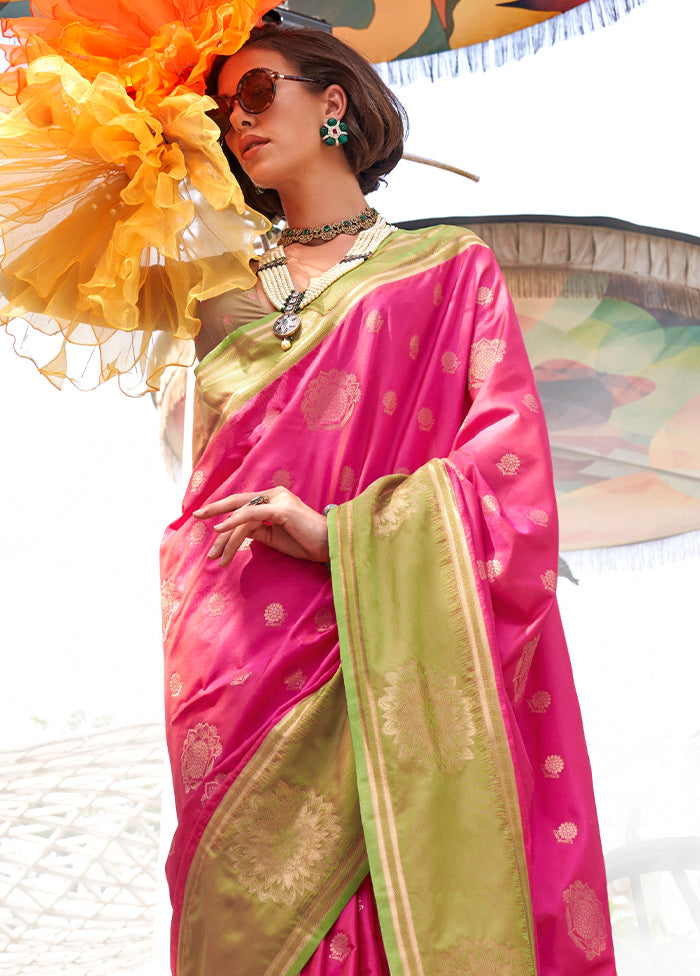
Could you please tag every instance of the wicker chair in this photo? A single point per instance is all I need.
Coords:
(79, 853)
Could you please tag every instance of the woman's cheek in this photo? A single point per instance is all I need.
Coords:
(228, 139)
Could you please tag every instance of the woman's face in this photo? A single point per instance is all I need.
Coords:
(277, 145)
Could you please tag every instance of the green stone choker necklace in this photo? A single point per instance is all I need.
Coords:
(326, 232)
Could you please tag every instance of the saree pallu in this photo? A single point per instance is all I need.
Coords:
(381, 768)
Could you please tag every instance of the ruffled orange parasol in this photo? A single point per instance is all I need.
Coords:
(151, 49)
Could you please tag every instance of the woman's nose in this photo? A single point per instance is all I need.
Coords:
(238, 117)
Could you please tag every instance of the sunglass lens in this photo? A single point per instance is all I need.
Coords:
(256, 91)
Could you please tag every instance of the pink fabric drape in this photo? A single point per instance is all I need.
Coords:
(426, 363)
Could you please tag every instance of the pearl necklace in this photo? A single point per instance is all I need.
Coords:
(278, 285)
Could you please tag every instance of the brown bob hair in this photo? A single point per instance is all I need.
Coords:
(376, 120)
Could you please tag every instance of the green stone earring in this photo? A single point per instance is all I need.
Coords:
(334, 133)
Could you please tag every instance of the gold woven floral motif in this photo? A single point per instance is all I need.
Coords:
(483, 357)
(585, 919)
(549, 580)
(390, 402)
(472, 958)
(489, 503)
(295, 681)
(566, 833)
(509, 465)
(490, 569)
(340, 947)
(428, 716)
(282, 478)
(553, 766)
(216, 604)
(425, 418)
(197, 480)
(200, 751)
(540, 702)
(330, 400)
(324, 619)
(393, 507)
(198, 533)
(347, 479)
(450, 362)
(169, 603)
(538, 516)
(374, 321)
(284, 846)
(275, 615)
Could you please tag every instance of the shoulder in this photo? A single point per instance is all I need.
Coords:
(458, 233)
(452, 245)
(447, 240)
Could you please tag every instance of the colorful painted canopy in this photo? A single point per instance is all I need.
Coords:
(611, 318)
(384, 30)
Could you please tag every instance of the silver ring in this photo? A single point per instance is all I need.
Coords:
(260, 500)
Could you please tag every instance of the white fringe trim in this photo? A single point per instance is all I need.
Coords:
(639, 557)
(511, 47)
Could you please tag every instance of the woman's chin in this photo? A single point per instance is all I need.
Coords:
(257, 175)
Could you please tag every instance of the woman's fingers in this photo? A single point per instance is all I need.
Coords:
(232, 544)
(248, 511)
(228, 504)
(226, 546)
(274, 516)
(247, 515)
(218, 547)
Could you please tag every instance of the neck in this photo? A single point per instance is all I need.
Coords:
(305, 206)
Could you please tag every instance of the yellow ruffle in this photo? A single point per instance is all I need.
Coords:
(118, 211)
(115, 221)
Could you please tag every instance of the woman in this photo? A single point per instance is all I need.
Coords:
(427, 808)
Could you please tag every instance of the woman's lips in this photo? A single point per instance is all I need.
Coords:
(251, 147)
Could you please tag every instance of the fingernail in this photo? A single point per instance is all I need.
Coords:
(212, 553)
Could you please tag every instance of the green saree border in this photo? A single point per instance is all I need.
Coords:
(250, 358)
(300, 788)
(428, 732)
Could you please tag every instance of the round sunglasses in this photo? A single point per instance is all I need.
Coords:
(255, 93)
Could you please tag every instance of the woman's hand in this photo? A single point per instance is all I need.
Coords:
(276, 517)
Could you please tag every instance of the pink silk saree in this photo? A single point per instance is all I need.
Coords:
(424, 807)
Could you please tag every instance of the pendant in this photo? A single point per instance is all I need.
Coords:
(286, 325)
